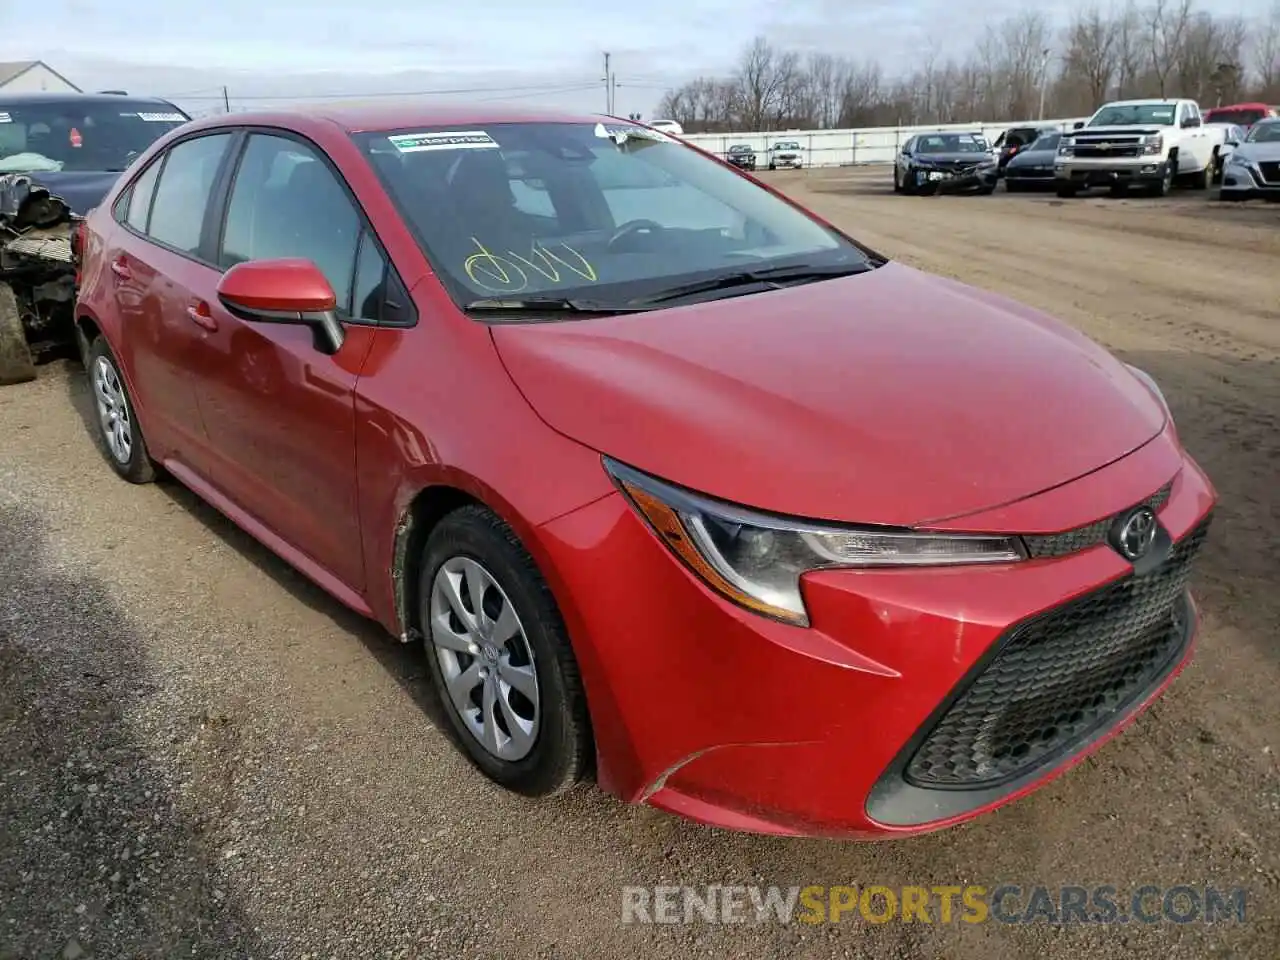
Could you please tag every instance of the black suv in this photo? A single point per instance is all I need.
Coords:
(741, 155)
(1014, 139)
(59, 155)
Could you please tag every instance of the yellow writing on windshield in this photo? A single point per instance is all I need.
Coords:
(505, 274)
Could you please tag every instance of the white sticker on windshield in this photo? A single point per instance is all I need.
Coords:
(451, 140)
(1162, 114)
(161, 117)
(620, 132)
(5, 118)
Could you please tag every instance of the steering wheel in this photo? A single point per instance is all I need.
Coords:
(634, 228)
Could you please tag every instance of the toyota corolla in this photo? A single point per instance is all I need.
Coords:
(678, 485)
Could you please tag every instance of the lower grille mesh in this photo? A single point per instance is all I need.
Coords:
(1060, 677)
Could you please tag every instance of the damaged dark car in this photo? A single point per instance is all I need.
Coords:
(59, 155)
(741, 155)
(932, 163)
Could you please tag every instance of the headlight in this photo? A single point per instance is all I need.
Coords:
(756, 560)
(1153, 146)
(1147, 379)
(1235, 160)
(1066, 148)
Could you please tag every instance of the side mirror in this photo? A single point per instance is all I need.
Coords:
(1190, 122)
(288, 290)
(1233, 143)
(1078, 125)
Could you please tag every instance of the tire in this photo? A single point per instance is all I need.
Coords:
(986, 191)
(474, 545)
(1163, 186)
(115, 417)
(16, 363)
(1066, 190)
(897, 180)
(773, 166)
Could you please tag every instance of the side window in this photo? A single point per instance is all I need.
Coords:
(182, 195)
(286, 202)
(369, 288)
(139, 204)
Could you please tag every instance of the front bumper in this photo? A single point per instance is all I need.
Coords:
(1104, 172)
(783, 163)
(708, 711)
(743, 164)
(1247, 183)
(941, 180)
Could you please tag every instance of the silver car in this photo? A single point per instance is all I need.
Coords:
(1253, 169)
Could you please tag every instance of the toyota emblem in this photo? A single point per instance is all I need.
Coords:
(1136, 534)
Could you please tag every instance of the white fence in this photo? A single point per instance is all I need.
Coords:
(842, 148)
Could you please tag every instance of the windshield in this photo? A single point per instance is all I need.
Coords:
(786, 145)
(1268, 132)
(90, 135)
(608, 213)
(1135, 114)
(1245, 116)
(951, 143)
(740, 148)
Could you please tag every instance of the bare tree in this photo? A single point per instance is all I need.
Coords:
(1092, 54)
(1161, 50)
(1167, 23)
(1266, 56)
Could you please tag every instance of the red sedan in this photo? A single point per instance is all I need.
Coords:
(676, 483)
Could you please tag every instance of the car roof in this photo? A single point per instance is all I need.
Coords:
(1142, 100)
(366, 116)
(35, 98)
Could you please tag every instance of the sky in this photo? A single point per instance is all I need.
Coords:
(548, 52)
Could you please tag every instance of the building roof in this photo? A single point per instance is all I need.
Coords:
(13, 69)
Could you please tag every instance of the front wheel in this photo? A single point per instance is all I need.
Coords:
(16, 362)
(1164, 186)
(118, 433)
(500, 657)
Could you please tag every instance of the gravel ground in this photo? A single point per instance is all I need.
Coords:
(203, 755)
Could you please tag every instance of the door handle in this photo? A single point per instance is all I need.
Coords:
(200, 316)
(120, 267)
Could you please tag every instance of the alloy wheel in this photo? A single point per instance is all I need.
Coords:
(485, 658)
(113, 410)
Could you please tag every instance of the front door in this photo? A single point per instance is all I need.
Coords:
(280, 414)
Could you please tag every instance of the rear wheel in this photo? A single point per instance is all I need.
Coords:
(16, 363)
(1201, 179)
(500, 657)
(119, 435)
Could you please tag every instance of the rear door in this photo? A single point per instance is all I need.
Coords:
(156, 261)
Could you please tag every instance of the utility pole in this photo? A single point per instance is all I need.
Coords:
(226, 100)
(608, 87)
(1044, 79)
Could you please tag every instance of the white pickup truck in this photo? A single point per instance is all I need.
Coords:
(1147, 143)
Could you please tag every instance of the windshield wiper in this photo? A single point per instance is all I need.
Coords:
(546, 305)
(772, 277)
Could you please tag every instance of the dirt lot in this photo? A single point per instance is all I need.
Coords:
(204, 756)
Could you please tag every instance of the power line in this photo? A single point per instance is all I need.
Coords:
(532, 89)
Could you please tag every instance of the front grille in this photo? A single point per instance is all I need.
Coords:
(1085, 150)
(1054, 681)
(1270, 171)
(1090, 535)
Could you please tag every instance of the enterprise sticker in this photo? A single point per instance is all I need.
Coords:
(452, 140)
(620, 132)
(162, 117)
(5, 118)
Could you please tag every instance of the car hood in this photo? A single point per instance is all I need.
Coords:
(81, 189)
(962, 157)
(891, 397)
(1132, 131)
(1029, 158)
(1264, 152)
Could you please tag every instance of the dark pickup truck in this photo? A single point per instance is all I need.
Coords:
(59, 155)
